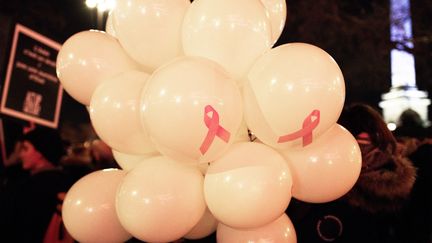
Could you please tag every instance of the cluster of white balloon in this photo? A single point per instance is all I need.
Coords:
(173, 87)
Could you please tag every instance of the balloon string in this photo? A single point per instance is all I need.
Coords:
(214, 129)
(309, 124)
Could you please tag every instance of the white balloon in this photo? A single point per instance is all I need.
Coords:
(279, 231)
(232, 33)
(88, 209)
(160, 200)
(185, 102)
(115, 113)
(88, 58)
(327, 169)
(109, 27)
(293, 94)
(205, 227)
(277, 11)
(242, 134)
(249, 186)
(150, 30)
(129, 161)
(203, 167)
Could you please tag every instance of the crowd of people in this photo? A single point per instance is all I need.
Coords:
(390, 202)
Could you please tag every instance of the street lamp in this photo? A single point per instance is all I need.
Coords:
(101, 6)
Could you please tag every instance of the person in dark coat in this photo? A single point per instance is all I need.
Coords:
(411, 125)
(27, 210)
(370, 211)
(416, 141)
(417, 224)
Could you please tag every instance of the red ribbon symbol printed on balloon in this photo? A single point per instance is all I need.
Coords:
(214, 129)
(309, 124)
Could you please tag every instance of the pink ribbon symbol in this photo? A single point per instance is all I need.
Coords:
(214, 129)
(309, 124)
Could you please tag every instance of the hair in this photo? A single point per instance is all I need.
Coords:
(359, 118)
(47, 141)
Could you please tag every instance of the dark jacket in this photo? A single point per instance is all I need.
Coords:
(370, 212)
(29, 208)
(418, 214)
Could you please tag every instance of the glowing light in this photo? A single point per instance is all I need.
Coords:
(402, 62)
(109, 169)
(403, 93)
(101, 5)
(391, 126)
(91, 3)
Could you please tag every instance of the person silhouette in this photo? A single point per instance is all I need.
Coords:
(31, 205)
(411, 125)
